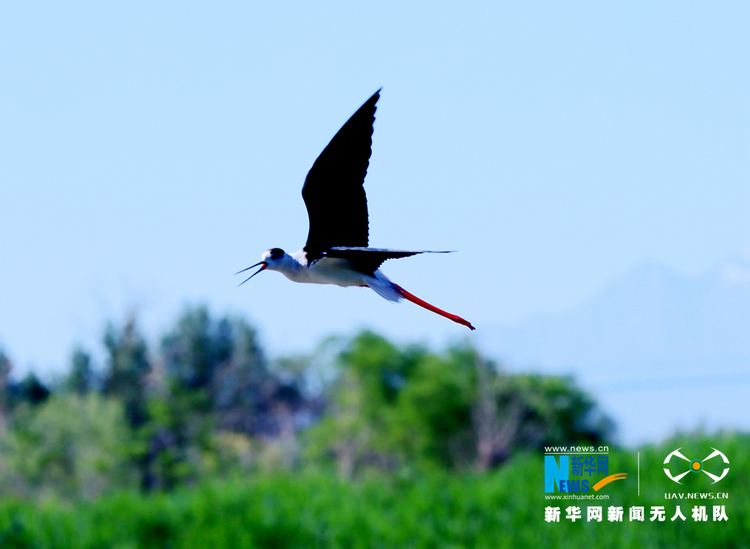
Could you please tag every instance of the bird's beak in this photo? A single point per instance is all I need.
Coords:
(262, 264)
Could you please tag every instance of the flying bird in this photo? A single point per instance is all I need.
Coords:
(336, 250)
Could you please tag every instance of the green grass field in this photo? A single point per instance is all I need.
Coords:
(316, 510)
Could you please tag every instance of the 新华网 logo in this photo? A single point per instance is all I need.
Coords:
(577, 473)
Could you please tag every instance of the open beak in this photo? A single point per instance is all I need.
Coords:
(262, 264)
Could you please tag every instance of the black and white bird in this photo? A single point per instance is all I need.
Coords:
(336, 251)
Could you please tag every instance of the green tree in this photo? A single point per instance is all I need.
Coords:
(126, 378)
(81, 378)
(5, 368)
(29, 390)
(216, 384)
(433, 420)
(219, 369)
(32, 390)
(362, 426)
(127, 370)
(554, 411)
(71, 445)
(393, 407)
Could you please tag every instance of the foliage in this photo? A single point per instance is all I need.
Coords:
(396, 407)
(30, 390)
(71, 445)
(218, 367)
(127, 370)
(554, 412)
(501, 509)
(5, 368)
(206, 402)
(215, 393)
(81, 379)
(204, 442)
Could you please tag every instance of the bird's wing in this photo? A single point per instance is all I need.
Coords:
(333, 190)
(368, 260)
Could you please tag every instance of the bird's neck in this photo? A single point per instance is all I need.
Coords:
(291, 266)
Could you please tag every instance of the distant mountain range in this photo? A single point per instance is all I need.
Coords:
(651, 331)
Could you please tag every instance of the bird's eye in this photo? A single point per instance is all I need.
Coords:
(276, 253)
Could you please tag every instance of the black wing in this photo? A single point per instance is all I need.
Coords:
(333, 190)
(368, 260)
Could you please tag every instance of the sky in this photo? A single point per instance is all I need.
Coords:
(148, 151)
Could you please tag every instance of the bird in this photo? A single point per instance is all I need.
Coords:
(336, 251)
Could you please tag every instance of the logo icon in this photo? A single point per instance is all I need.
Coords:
(696, 465)
(577, 473)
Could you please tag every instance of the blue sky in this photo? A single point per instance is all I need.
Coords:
(150, 150)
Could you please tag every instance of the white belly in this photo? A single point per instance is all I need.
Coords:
(329, 270)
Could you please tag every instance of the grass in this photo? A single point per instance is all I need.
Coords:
(437, 510)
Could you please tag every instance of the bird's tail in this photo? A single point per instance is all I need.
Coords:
(381, 285)
(414, 299)
(393, 292)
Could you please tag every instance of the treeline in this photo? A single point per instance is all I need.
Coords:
(207, 402)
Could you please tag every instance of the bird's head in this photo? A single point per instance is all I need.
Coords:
(271, 259)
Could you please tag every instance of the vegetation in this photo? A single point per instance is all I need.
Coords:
(309, 509)
(205, 442)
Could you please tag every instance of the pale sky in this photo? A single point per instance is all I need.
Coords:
(150, 150)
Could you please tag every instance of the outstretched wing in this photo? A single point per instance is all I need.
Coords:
(368, 260)
(333, 190)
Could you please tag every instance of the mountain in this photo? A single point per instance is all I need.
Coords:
(655, 336)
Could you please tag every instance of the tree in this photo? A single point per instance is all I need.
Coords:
(392, 407)
(555, 412)
(126, 378)
(432, 418)
(71, 445)
(31, 390)
(218, 368)
(242, 389)
(217, 388)
(81, 377)
(127, 370)
(363, 424)
(5, 368)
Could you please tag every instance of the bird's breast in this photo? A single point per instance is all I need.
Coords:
(328, 270)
